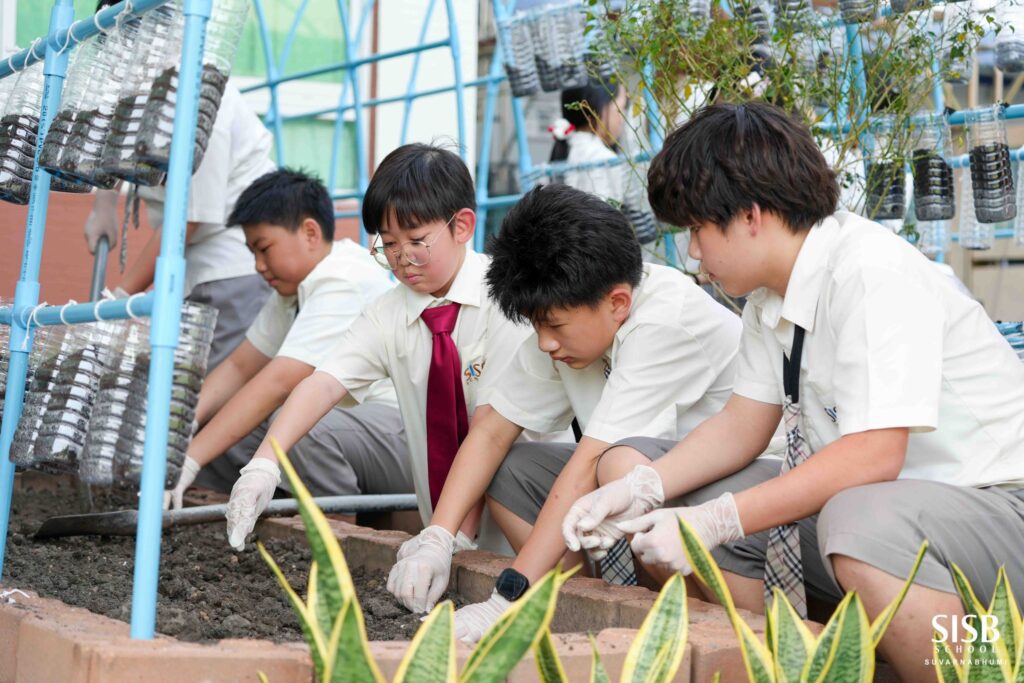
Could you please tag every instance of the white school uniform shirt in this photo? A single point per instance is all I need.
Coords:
(237, 153)
(890, 342)
(607, 182)
(669, 368)
(306, 325)
(390, 339)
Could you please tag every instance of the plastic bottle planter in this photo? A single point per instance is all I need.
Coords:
(599, 60)
(792, 12)
(547, 53)
(974, 235)
(885, 196)
(933, 237)
(222, 35)
(858, 11)
(900, 6)
(1009, 52)
(991, 171)
(954, 21)
(933, 176)
(159, 36)
(19, 125)
(517, 51)
(52, 351)
(758, 15)
(1018, 222)
(569, 26)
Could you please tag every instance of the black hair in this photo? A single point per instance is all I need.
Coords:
(105, 3)
(560, 247)
(729, 157)
(286, 198)
(580, 105)
(417, 184)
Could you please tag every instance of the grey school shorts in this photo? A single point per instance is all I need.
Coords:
(978, 529)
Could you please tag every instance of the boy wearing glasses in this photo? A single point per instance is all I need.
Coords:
(438, 336)
(625, 348)
(320, 287)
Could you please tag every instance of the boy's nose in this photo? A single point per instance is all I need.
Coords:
(546, 343)
(694, 249)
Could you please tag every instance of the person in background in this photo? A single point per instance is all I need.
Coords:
(219, 270)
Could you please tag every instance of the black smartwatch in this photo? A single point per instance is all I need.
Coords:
(511, 584)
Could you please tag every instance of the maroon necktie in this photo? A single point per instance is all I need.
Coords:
(447, 423)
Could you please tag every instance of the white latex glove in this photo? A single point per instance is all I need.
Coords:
(657, 541)
(420, 576)
(102, 220)
(118, 293)
(462, 542)
(591, 522)
(249, 498)
(472, 621)
(189, 471)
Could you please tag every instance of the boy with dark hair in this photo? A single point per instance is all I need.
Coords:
(320, 288)
(438, 337)
(625, 348)
(902, 402)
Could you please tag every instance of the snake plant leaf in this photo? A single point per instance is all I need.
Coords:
(970, 601)
(431, 655)
(852, 658)
(549, 666)
(815, 667)
(946, 667)
(657, 651)
(516, 632)
(789, 639)
(756, 658)
(263, 677)
(348, 657)
(307, 620)
(1008, 621)
(883, 620)
(597, 672)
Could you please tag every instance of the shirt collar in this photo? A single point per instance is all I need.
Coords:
(466, 289)
(800, 304)
(319, 271)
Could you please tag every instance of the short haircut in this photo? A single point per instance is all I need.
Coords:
(286, 198)
(729, 157)
(560, 247)
(417, 184)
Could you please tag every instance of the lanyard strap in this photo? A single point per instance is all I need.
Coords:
(791, 366)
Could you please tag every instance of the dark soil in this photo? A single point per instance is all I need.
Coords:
(206, 591)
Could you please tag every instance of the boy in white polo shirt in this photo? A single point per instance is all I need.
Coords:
(903, 404)
(437, 336)
(320, 288)
(627, 348)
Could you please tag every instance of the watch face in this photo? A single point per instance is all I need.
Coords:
(511, 584)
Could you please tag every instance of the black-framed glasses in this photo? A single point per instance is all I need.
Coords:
(415, 252)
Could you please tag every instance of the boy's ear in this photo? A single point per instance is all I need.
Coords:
(465, 225)
(755, 218)
(621, 300)
(310, 231)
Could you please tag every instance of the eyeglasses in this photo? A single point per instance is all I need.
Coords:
(415, 252)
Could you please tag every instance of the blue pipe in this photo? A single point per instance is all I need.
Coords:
(456, 50)
(484, 157)
(501, 13)
(414, 73)
(73, 314)
(26, 293)
(998, 234)
(268, 59)
(362, 173)
(292, 31)
(168, 289)
(339, 121)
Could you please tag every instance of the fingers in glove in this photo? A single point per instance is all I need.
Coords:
(570, 530)
(639, 524)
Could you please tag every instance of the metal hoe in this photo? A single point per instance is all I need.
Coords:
(123, 522)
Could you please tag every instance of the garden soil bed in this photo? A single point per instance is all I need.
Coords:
(206, 591)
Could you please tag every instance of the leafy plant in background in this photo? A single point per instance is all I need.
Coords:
(843, 651)
(1000, 659)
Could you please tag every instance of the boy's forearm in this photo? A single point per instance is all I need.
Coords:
(545, 546)
(488, 442)
(228, 378)
(310, 401)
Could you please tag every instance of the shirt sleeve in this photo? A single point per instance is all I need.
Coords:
(357, 361)
(529, 392)
(327, 312)
(659, 372)
(755, 372)
(502, 341)
(270, 327)
(888, 355)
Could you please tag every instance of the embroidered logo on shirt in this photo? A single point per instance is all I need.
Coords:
(832, 413)
(473, 371)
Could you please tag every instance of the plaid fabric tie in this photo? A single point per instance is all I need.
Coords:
(783, 567)
(447, 423)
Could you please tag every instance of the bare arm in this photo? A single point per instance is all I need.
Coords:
(854, 460)
(239, 367)
(310, 401)
(139, 275)
(488, 442)
(719, 446)
(255, 402)
(545, 545)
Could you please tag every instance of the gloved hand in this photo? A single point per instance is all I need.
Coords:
(118, 293)
(591, 522)
(472, 621)
(249, 498)
(102, 220)
(657, 541)
(420, 576)
(189, 471)
(462, 542)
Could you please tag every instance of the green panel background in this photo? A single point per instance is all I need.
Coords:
(318, 41)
